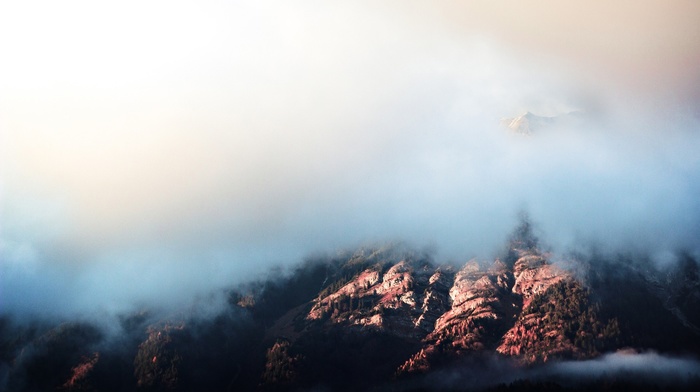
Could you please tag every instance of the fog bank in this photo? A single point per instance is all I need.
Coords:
(622, 369)
(152, 152)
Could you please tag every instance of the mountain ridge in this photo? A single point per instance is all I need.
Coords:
(381, 318)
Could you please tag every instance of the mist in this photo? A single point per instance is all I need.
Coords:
(621, 369)
(150, 154)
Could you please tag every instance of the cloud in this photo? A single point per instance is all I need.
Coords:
(152, 154)
(649, 368)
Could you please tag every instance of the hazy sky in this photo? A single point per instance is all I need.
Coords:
(155, 149)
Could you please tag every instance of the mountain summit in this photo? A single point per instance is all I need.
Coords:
(529, 123)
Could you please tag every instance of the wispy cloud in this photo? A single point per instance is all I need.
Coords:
(648, 368)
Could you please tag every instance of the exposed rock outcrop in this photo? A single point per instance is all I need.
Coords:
(451, 313)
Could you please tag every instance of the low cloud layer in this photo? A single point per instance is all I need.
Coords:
(648, 369)
(149, 156)
(650, 366)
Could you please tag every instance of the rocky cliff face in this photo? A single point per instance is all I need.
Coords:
(403, 300)
(446, 312)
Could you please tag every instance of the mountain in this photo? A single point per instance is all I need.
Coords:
(529, 123)
(387, 318)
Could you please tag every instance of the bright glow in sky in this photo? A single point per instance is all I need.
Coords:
(170, 147)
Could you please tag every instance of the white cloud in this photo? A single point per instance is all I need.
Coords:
(206, 141)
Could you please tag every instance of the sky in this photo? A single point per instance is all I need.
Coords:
(151, 151)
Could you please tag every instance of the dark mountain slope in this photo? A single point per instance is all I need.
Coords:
(387, 318)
